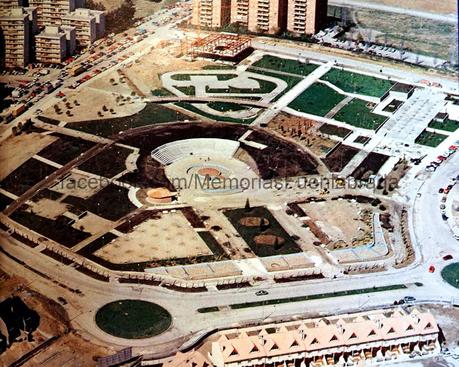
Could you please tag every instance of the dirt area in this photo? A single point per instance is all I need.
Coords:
(49, 208)
(76, 184)
(344, 222)
(156, 239)
(90, 103)
(146, 73)
(444, 7)
(340, 158)
(143, 7)
(24, 147)
(303, 131)
(53, 322)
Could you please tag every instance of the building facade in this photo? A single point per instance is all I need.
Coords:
(344, 340)
(15, 27)
(306, 16)
(50, 12)
(89, 24)
(211, 13)
(267, 16)
(51, 45)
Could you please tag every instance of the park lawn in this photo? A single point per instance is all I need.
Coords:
(133, 319)
(190, 107)
(430, 139)
(285, 65)
(290, 80)
(447, 125)
(351, 82)
(356, 113)
(451, 274)
(317, 100)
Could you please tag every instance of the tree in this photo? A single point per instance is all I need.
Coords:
(247, 205)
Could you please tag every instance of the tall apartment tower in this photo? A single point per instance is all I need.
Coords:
(267, 16)
(6, 5)
(211, 13)
(15, 27)
(50, 12)
(89, 25)
(306, 16)
(240, 12)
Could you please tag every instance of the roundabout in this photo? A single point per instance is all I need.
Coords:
(133, 319)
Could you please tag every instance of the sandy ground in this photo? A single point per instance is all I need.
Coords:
(49, 208)
(143, 7)
(341, 220)
(24, 147)
(68, 350)
(75, 185)
(146, 73)
(171, 236)
(444, 6)
(90, 101)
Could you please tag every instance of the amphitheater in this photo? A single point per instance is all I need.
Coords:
(200, 147)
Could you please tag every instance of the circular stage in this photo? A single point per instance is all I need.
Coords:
(133, 319)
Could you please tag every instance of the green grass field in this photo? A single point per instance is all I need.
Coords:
(447, 125)
(318, 100)
(430, 139)
(226, 107)
(285, 65)
(450, 274)
(133, 319)
(356, 113)
(357, 83)
(190, 107)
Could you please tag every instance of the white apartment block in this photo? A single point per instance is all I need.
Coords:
(15, 27)
(89, 25)
(50, 12)
(6, 5)
(51, 44)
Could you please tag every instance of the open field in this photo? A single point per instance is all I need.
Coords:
(447, 125)
(318, 100)
(430, 139)
(167, 237)
(24, 147)
(358, 113)
(346, 223)
(444, 7)
(151, 114)
(285, 65)
(355, 83)
(340, 157)
(133, 319)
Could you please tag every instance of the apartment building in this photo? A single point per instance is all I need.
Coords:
(89, 25)
(306, 16)
(15, 27)
(211, 13)
(51, 44)
(240, 12)
(50, 12)
(267, 16)
(342, 340)
(6, 5)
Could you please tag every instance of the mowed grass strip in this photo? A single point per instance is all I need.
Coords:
(317, 100)
(278, 301)
(358, 83)
(358, 114)
(285, 65)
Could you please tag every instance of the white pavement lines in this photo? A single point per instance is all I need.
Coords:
(288, 97)
(413, 117)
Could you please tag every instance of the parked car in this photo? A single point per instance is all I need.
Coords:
(261, 293)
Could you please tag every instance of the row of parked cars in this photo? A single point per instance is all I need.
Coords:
(442, 158)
